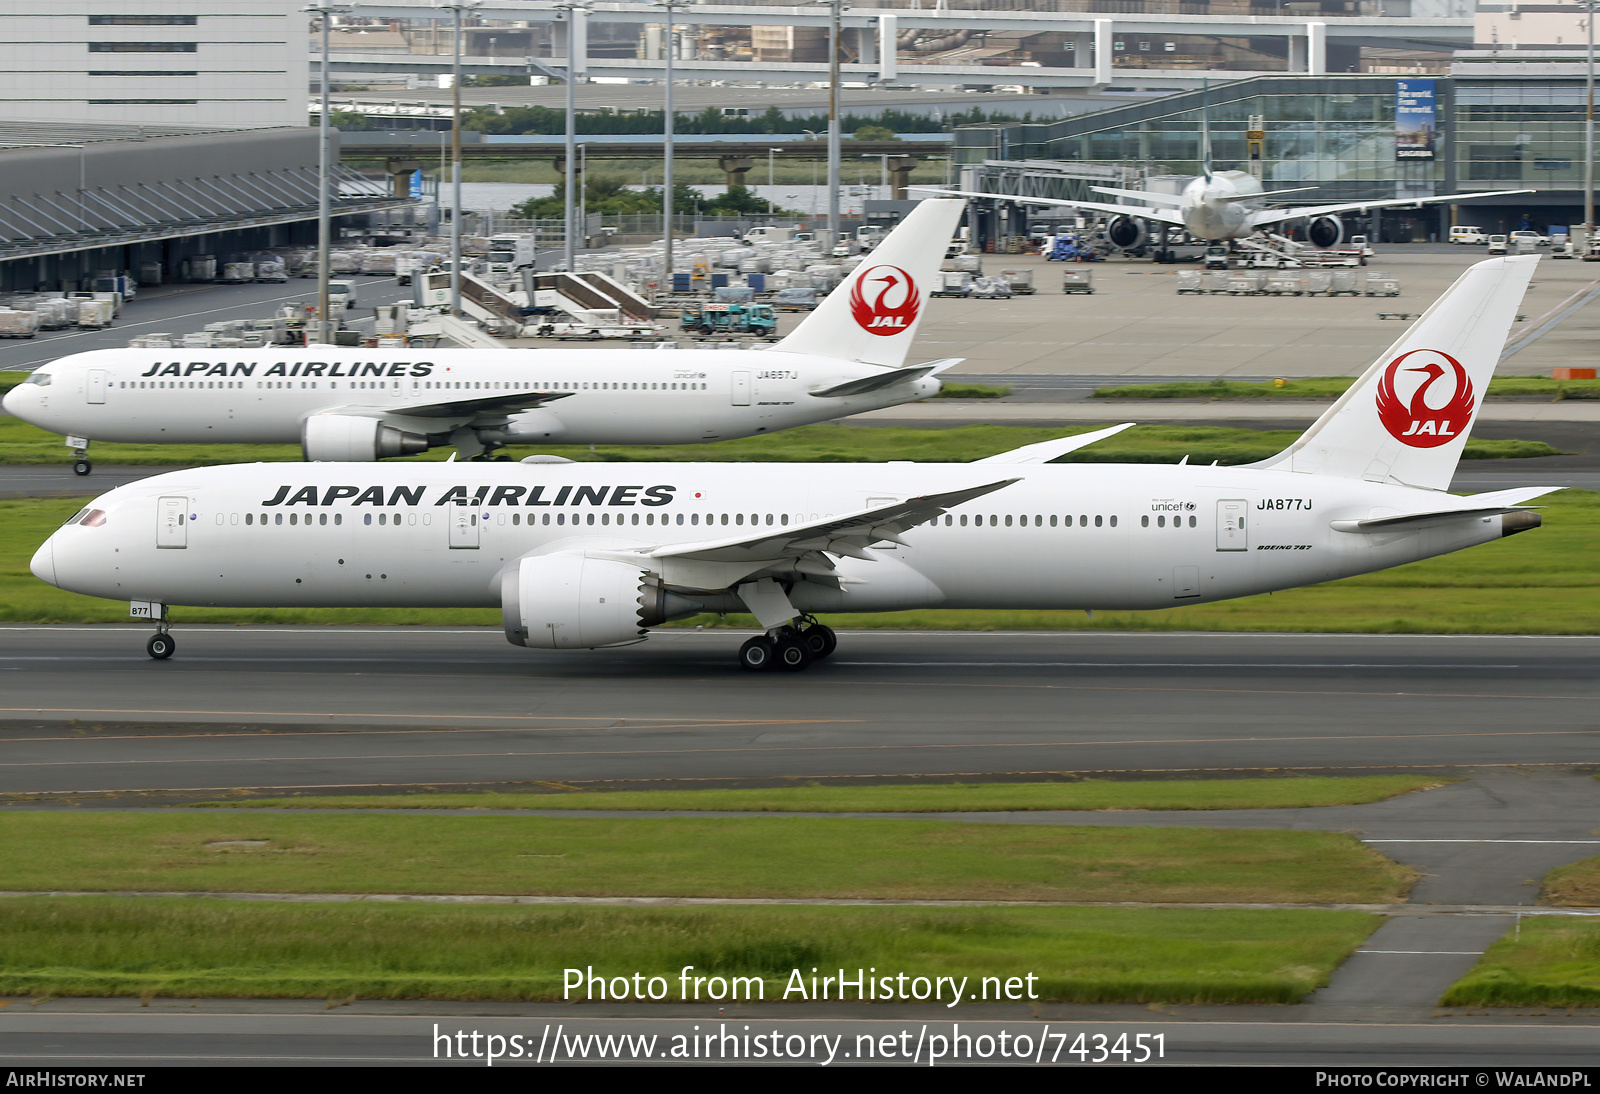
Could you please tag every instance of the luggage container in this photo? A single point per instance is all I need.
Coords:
(952, 283)
(757, 282)
(1343, 283)
(200, 268)
(1021, 281)
(1382, 286)
(733, 294)
(1318, 282)
(238, 271)
(272, 269)
(1217, 281)
(972, 264)
(1245, 284)
(18, 324)
(795, 299)
(1190, 281)
(96, 314)
(149, 273)
(1077, 281)
(55, 312)
(379, 263)
(1284, 284)
(990, 288)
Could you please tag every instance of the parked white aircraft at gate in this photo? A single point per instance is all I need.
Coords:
(590, 555)
(1218, 206)
(846, 357)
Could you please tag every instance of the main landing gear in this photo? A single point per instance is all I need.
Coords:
(789, 648)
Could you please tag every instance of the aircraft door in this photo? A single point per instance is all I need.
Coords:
(463, 528)
(1185, 581)
(172, 523)
(1232, 533)
(96, 390)
(741, 389)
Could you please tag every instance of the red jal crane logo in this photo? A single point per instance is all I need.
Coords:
(1414, 421)
(895, 307)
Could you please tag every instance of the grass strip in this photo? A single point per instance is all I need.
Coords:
(1549, 961)
(1331, 387)
(973, 391)
(1540, 583)
(22, 443)
(685, 856)
(1280, 793)
(1576, 885)
(194, 947)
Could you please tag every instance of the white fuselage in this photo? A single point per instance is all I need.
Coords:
(1063, 536)
(609, 396)
(1207, 211)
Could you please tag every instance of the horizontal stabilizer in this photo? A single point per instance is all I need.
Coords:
(885, 379)
(1142, 195)
(1497, 503)
(1270, 193)
(1045, 451)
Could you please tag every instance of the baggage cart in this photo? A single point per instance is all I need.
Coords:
(1190, 281)
(1021, 281)
(1217, 281)
(1077, 281)
(18, 324)
(952, 283)
(1382, 286)
(1343, 283)
(1318, 282)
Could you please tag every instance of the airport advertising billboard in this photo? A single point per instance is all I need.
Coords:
(1415, 120)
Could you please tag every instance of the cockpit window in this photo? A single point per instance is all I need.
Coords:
(40, 378)
(75, 518)
(94, 518)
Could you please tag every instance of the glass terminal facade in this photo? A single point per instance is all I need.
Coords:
(1338, 134)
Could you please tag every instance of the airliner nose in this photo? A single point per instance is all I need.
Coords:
(12, 402)
(44, 562)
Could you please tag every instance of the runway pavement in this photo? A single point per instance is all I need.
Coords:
(85, 710)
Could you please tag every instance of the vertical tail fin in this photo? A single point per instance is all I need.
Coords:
(1407, 418)
(872, 316)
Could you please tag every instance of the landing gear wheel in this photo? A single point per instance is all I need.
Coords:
(758, 654)
(160, 646)
(793, 654)
(82, 467)
(820, 640)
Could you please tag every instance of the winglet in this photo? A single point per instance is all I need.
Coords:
(1045, 451)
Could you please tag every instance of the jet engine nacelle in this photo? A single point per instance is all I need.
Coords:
(1129, 233)
(1325, 232)
(353, 438)
(569, 602)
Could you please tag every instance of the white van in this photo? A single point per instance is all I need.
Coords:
(1497, 244)
(1462, 233)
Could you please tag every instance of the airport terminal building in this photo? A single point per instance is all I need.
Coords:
(1494, 123)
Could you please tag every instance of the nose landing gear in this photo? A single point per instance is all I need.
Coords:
(80, 455)
(161, 645)
(790, 648)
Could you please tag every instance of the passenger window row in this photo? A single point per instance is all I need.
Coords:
(1161, 522)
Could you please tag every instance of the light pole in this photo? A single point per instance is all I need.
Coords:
(1588, 132)
(577, 41)
(455, 11)
(324, 332)
(770, 151)
(669, 119)
(833, 121)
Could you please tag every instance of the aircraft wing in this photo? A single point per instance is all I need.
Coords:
(1495, 503)
(489, 406)
(1167, 216)
(1045, 451)
(849, 534)
(1264, 217)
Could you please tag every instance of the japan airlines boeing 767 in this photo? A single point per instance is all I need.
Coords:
(846, 357)
(594, 554)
